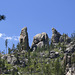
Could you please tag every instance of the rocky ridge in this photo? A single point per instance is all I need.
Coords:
(63, 48)
(57, 37)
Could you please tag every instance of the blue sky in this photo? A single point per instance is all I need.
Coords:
(38, 16)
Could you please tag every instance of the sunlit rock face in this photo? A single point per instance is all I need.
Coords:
(40, 40)
(24, 39)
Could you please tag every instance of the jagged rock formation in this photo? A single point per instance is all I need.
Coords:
(69, 56)
(24, 39)
(40, 40)
(62, 54)
(70, 67)
(57, 37)
(64, 38)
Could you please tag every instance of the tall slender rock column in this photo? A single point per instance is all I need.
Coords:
(24, 39)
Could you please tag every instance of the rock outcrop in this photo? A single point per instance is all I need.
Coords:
(64, 38)
(70, 47)
(57, 37)
(70, 66)
(54, 54)
(24, 39)
(40, 40)
(11, 59)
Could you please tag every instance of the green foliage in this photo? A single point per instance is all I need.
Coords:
(14, 72)
(3, 52)
(47, 69)
(6, 44)
(73, 58)
(38, 69)
(38, 61)
(9, 66)
(63, 47)
(51, 46)
(2, 63)
(18, 46)
(35, 54)
(29, 60)
(13, 47)
(57, 67)
(9, 51)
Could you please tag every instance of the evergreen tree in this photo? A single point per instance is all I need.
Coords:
(9, 51)
(57, 67)
(18, 46)
(13, 47)
(6, 44)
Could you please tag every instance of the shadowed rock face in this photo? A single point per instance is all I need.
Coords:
(65, 38)
(24, 39)
(70, 47)
(40, 40)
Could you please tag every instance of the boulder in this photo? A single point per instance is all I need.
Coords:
(11, 59)
(54, 54)
(24, 39)
(40, 40)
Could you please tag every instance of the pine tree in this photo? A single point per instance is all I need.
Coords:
(6, 44)
(57, 67)
(9, 51)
